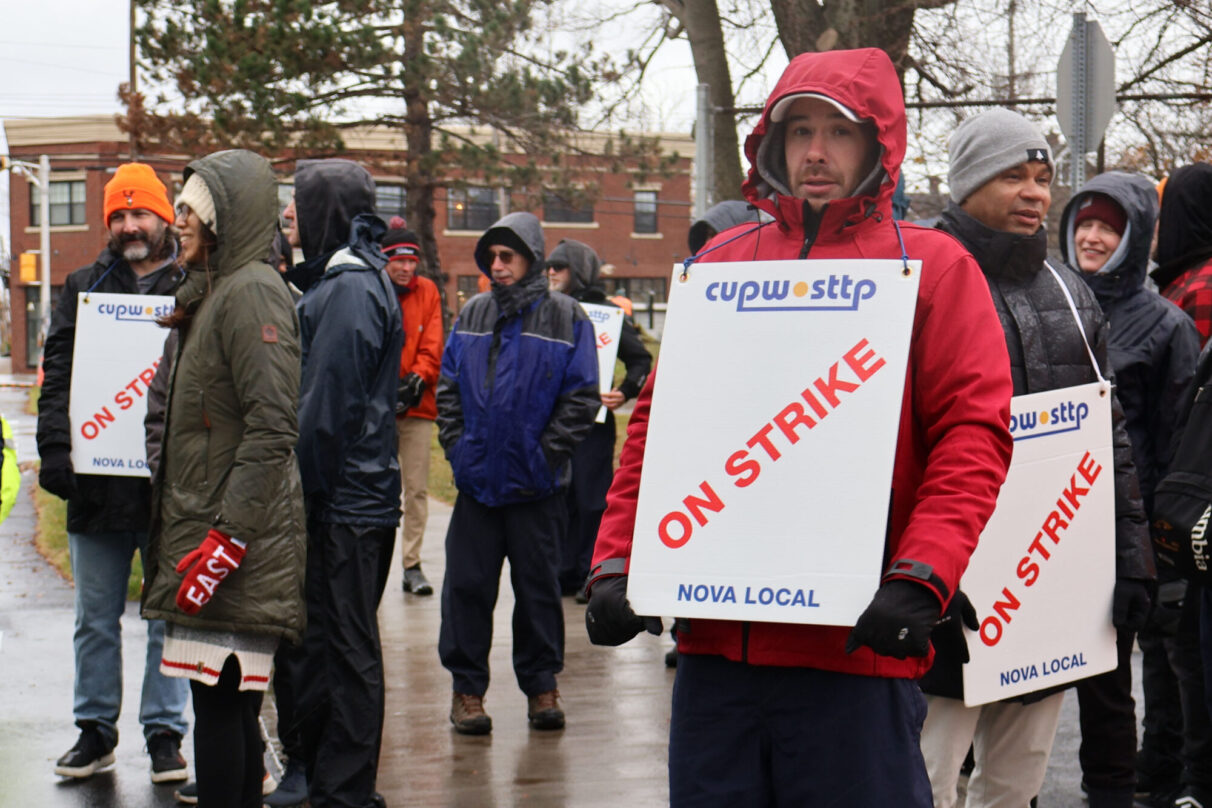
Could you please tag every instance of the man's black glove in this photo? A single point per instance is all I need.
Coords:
(408, 394)
(609, 618)
(898, 621)
(948, 635)
(1130, 604)
(57, 475)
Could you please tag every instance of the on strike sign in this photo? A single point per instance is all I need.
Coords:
(117, 349)
(1043, 574)
(607, 325)
(764, 490)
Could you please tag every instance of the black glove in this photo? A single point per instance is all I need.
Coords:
(57, 475)
(1130, 604)
(898, 621)
(948, 635)
(408, 394)
(609, 618)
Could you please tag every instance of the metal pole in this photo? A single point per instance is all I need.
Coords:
(702, 150)
(1081, 89)
(44, 293)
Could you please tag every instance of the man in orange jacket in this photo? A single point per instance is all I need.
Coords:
(421, 308)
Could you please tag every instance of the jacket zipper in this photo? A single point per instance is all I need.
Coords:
(745, 641)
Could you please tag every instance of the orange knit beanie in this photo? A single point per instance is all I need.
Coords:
(135, 185)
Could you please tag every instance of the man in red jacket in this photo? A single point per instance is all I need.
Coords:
(420, 361)
(771, 713)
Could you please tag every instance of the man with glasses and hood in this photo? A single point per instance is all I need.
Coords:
(776, 713)
(351, 334)
(517, 392)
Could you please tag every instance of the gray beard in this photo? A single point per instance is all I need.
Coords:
(136, 251)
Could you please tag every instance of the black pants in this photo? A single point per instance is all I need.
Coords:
(1107, 714)
(592, 472)
(288, 668)
(228, 750)
(339, 688)
(478, 541)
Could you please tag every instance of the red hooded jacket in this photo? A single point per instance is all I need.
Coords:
(954, 443)
(422, 352)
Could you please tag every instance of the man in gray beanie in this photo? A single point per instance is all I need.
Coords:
(1001, 177)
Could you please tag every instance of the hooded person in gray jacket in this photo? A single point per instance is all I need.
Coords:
(351, 335)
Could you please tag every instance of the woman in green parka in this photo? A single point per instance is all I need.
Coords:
(226, 558)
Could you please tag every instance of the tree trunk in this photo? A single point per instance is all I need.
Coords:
(701, 19)
(807, 26)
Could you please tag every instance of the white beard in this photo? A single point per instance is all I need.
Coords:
(136, 251)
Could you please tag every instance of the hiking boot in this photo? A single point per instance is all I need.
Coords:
(92, 752)
(468, 716)
(187, 794)
(292, 789)
(167, 765)
(1193, 797)
(416, 582)
(543, 711)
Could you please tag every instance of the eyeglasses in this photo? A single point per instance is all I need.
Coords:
(505, 256)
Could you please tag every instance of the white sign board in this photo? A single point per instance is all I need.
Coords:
(607, 325)
(768, 463)
(118, 347)
(1042, 577)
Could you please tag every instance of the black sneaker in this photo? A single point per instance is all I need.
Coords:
(167, 765)
(292, 788)
(92, 752)
(416, 582)
(1193, 797)
(187, 794)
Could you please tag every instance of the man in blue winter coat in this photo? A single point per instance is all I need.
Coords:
(351, 332)
(517, 392)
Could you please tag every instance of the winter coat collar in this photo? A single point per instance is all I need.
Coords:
(1000, 254)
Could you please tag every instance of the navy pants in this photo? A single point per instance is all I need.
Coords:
(339, 688)
(762, 736)
(478, 541)
(592, 472)
(1107, 715)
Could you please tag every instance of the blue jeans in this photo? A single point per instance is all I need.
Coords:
(101, 567)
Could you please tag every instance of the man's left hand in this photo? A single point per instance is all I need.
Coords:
(613, 400)
(898, 621)
(1130, 604)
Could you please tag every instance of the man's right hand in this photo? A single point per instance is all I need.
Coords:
(609, 618)
(57, 475)
(408, 392)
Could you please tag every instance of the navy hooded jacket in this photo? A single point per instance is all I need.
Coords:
(519, 382)
(352, 335)
(1153, 346)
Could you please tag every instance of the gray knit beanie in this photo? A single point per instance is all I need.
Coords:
(197, 196)
(985, 145)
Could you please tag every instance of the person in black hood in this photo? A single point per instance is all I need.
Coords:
(351, 335)
(575, 269)
(1184, 244)
(1106, 232)
(720, 217)
(518, 391)
(1000, 177)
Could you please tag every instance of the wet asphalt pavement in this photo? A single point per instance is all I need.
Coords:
(613, 751)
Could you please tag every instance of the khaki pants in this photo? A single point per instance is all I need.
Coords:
(414, 435)
(1011, 743)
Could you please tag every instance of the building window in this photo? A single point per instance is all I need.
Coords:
(66, 203)
(471, 209)
(637, 289)
(389, 200)
(558, 209)
(645, 212)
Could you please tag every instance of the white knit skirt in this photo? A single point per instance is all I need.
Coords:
(199, 654)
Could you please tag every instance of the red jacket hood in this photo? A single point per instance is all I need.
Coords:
(864, 81)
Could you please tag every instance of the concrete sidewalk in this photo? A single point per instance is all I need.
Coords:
(613, 751)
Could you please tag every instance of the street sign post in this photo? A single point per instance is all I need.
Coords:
(1085, 91)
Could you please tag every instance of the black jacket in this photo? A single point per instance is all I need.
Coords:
(352, 335)
(103, 504)
(1153, 346)
(1046, 353)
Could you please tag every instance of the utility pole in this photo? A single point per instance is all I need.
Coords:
(134, 154)
(703, 151)
(39, 175)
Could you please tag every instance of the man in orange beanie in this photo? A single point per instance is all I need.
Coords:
(107, 517)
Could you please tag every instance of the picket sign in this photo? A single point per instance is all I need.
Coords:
(607, 325)
(771, 438)
(1043, 574)
(117, 349)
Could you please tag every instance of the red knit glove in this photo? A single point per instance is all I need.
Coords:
(216, 557)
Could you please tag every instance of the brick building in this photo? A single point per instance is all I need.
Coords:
(636, 223)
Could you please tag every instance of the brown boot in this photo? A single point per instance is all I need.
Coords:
(468, 716)
(543, 711)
